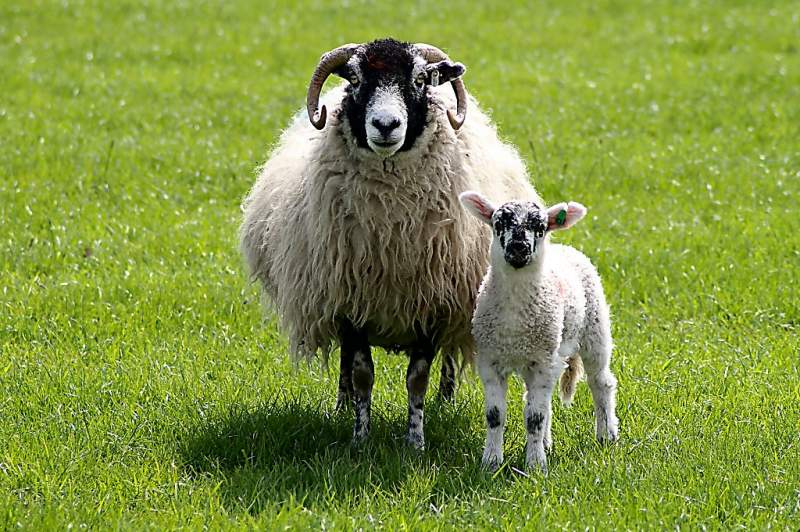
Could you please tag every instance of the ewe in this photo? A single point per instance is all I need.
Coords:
(355, 230)
(540, 305)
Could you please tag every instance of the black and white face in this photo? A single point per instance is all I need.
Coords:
(519, 229)
(387, 97)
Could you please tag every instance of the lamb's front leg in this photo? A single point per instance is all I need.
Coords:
(539, 382)
(419, 366)
(494, 389)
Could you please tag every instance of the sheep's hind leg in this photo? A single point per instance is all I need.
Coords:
(447, 381)
(355, 346)
(419, 367)
(344, 396)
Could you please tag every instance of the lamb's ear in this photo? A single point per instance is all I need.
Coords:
(478, 205)
(564, 215)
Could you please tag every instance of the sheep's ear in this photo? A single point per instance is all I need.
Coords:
(478, 205)
(564, 215)
(444, 71)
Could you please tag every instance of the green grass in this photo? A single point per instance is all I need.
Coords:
(142, 387)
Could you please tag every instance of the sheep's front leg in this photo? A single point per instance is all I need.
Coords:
(419, 367)
(447, 381)
(355, 347)
(494, 389)
(344, 396)
(539, 382)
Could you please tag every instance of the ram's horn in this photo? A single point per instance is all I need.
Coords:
(329, 62)
(431, 54)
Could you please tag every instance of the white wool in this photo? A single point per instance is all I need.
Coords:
(331, 230)
(538, 321)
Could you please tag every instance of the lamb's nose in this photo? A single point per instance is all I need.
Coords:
(385, 127)
(517, 247)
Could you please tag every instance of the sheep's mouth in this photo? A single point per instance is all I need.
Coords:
(384, 148)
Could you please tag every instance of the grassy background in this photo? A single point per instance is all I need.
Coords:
(141, 386)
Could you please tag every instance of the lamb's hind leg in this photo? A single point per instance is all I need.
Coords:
(603, 384)
(419, 365)
(355, 346)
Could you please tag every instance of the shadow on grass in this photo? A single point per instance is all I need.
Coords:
(292, 450)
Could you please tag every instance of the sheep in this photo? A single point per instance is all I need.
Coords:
(355, 231)
(541, 305)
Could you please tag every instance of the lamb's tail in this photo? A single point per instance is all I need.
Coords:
(570, 378)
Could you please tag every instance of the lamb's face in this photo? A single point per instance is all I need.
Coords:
(519, 229)
(387, 100)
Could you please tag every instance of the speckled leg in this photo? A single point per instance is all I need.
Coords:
(417, 384)
(494, 388)
(447, 381)
(539, 382)
(354, 344)
(344, 396)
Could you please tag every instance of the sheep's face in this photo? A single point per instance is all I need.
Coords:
(386, 104)
(520, 227)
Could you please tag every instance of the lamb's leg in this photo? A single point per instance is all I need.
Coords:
(419, 367)
(548, 432)
(447, 382)
(344, 396)
(355, 346)
(603, 385)
(494, 389)
(539, 383)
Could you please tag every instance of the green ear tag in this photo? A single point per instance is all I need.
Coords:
(561, 217)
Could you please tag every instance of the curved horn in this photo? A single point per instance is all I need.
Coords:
(431, 54)
(329, 62)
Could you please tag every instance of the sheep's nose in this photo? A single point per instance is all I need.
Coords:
(385, 128)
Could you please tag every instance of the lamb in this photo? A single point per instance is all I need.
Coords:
(540, 305)
(355, 230)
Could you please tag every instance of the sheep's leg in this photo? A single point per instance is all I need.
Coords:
(417, 384)
(447, 382)
(494, 388)
(539, 383)
(603, 385)
(344, 396)
(355, 346)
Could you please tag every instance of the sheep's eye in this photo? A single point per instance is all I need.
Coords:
(420, 81)
(354, 80)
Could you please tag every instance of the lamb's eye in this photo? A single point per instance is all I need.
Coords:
(354, 81)
(420, 81)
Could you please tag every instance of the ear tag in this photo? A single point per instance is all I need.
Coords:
(561, 217)
(435, 78)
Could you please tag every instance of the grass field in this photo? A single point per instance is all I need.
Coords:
(142, 386)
